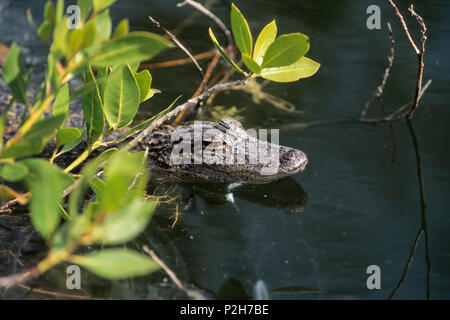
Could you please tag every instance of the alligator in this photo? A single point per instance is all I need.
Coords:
(251, 160)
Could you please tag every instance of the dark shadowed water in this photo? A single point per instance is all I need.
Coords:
(357, 203)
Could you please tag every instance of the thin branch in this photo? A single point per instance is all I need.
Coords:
(27, 275)
(405, 27)
(379, 91)
(177, 62)
(169, 272)
(211, 15)
(182, 47)
(419, 52)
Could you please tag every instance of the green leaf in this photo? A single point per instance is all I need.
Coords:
(67, 135)
(125, 224)
(223, 53)
(88, 173)
(13, 171)
(33, 141)
(49, 12)
(285, 50)
(144, 81)
(85, 8)
(62, 102)
(241, 31)
(303, 68)
(119, 178)
(71, 145)
(122, 29)
(99, 5)
(45, 31)
(117, 263)
(265, 39)
(133, 47)
(61, 39)
(46, 183)
(102, 76)
(251, 64)
(15, 74)
(103, 27)
(93, 108)
(121, 97)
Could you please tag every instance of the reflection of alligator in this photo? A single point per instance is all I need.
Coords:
(252, 160)
(284, 194)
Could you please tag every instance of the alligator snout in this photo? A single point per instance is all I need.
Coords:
(293, 161)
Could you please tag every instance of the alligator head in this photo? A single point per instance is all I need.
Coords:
(223, 151)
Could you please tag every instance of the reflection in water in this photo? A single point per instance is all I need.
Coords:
(285, 194)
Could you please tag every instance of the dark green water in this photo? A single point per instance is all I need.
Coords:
(358, 202)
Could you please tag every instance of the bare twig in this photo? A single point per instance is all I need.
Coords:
(169, 272)
(177, 62)
(419, 52)
(182, 47)
(379, 91)
(27, 275)
(211, 15)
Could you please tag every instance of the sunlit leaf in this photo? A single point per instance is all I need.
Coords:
(13, 171)
(223, 53)
(251, 64)
(133, 47)
(241, 31)
(99, 5)
(85, 8)
(62, 102)
(67, 135)
(144, 81)
(125, 224)
(119, 178)
(303, 68)
(265, 39)
(122, 29)
(285, 50)
(15, 74)
(33, 141)
(121, 99)
(117, 263)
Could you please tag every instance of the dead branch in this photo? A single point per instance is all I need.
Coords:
(379, 91)
(182, 47)
(419, 52)
(27, 275)
(211, 15)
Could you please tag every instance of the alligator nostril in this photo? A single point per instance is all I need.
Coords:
(289, 155)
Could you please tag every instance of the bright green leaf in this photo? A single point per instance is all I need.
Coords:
(121, 97)
(125, 224)
(15, 74)
(223, 53)
(45, 31)
(265, 39)
(13, 171)
(133, 47)
(117, 263)
(122, 29)
(33, 141)
(62, 102)
(303, 68)
(250, 63)
(285, 50)
(67, 135)
(99, 5)
(241, 31)
(71, 145)
(85, 8)
(144, 81)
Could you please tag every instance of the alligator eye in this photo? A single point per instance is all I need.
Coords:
(289, 155)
